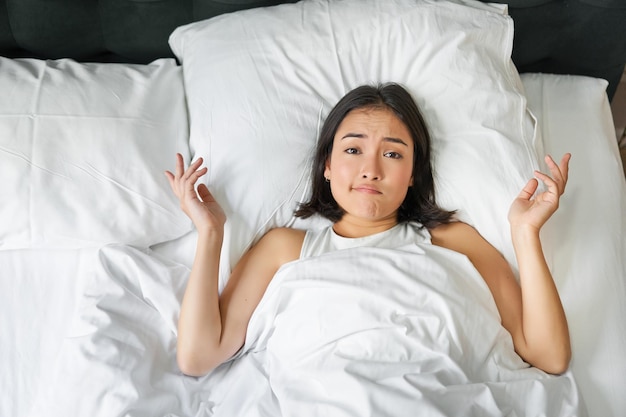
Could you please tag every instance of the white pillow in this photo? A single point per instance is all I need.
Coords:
(83, 150)
(260, 82)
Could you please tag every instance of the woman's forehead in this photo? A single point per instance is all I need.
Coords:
(374, 121)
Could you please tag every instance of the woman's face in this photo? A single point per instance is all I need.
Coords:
(370, 166)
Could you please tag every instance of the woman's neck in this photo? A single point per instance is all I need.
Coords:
(355, 227)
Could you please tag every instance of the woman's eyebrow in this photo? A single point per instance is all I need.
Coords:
(385, 139)
(395, 140)
(354, 135)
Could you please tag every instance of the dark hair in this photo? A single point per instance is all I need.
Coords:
(419, 204)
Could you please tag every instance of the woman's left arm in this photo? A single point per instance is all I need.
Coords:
(531, 310)
(543, 315)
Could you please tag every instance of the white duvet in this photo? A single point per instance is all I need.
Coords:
(358, 332)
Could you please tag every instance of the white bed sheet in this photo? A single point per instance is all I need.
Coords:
(353, 333)
(38, 292)
(585, 245)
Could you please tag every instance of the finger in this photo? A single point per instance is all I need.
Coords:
(204, 193)
(553, 187)
(193, 167)
(197, 174)
(180, 165)
(529, 189)
(170, 178)
(189, 184)
(564, 166)
(559, 172)
(555, 170)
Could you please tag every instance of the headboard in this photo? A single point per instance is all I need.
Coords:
(586, 37)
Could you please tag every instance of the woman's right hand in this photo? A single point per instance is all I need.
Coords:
(200, 206)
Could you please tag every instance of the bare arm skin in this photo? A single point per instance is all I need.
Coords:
(211, 328)
(531, 310)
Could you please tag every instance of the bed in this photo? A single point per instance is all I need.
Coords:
(97, 97)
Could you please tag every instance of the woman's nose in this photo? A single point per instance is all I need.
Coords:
(371, 169)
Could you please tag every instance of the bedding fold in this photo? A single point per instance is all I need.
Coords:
(350, 333)
(388, 332)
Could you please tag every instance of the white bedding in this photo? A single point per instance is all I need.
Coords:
(91, 331)
(38, 291)
(353, 333)
(82, 150)
(386, 332)
(117, 356)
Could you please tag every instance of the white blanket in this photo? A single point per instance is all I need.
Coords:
(358, 332)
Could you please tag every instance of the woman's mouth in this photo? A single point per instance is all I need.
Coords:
(366, 189)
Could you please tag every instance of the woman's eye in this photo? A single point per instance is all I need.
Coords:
(352, 151)
(394, 155)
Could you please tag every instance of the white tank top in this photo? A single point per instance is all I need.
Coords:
(317, 242)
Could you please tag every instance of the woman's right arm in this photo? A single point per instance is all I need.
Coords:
(211, 328)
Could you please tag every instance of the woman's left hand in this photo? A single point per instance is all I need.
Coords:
(534, 212)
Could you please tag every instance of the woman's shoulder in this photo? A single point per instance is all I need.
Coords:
(285, 234)
(463, 238)
(454, 226)
(282, 243)
(452, 234)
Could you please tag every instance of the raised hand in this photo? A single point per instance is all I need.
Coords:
(198, 204)
(534, 212)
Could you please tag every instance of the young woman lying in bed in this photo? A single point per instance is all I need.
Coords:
(371, 177)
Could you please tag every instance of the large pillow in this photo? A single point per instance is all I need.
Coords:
(260, 82)
(83, 150)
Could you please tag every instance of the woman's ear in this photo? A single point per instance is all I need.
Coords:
(411, 182)
(327, 168)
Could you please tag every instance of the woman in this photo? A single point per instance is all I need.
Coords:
(371, 173)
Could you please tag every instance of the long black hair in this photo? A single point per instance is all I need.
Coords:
(419, 204)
